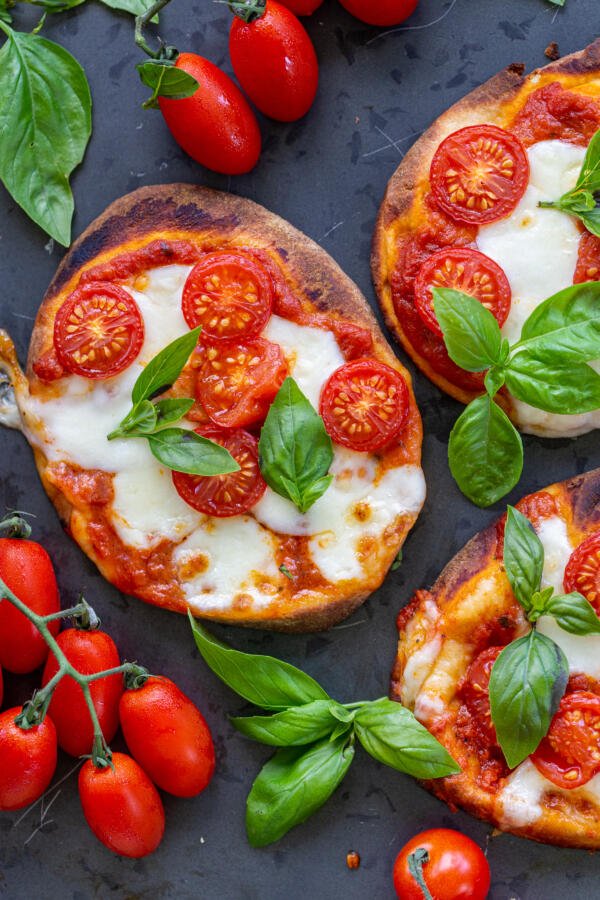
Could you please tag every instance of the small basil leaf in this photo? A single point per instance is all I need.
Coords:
(523, 556)
(165, 81)
(295, 450)
(135, 7)
(341, 713)
(172, 410)
(494, 379)
(342, 728)
(164, 370)
(567, 325)
(392, 735)
(526, 685)
(185, 451)
(296, 726)
(263, 680)
(471, 333)
(292, 786)
(573, 613)
(553, 384)
(485, 452)
(144, 418)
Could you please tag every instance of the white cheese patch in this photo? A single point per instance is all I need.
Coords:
(420, 662)
(552, 532)
(538, 249)
(312, 354)
(519, 803)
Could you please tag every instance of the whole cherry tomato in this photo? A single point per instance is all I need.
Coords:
(454, 867)
(168, 737)
(302, 7)
(122, 806)
(27, 570)
(380, 12)
(27, 760)
(215, 126)
(274, 61)
(88, 652)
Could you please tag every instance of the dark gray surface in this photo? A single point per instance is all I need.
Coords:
(326, 175)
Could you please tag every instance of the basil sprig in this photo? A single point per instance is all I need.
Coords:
(547, 368)
(315, 735)
(530, 675)
(177, 448)
(295, 451)
(583, 201)
(165, 81)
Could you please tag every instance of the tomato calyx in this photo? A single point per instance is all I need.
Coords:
(85, 618)
(416, 861)
(248, 10)
(13, 525)
(136, 677)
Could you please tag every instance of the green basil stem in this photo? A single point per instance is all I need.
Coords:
(34, 711)
(140, 24)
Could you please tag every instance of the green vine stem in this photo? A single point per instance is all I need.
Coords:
(164, 53)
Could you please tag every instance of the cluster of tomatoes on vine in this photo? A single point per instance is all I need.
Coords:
(86, 692)
(275, 63)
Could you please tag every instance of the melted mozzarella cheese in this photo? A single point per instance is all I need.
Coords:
(520, 800)
(538, 249)
(312, 354)
(552, 532)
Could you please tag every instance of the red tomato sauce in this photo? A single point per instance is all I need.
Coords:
(554, 112)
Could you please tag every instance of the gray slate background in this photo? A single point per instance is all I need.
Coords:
(326, 175)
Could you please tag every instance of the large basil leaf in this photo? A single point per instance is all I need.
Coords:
(294, 449)
(573, 613)
(392, 735)
(526, 685)
(164, 370)
(292, 786)
(45, 125)
(552, 383)
(296, 726)
(185, 451)
(485, 452)
(263, 680)
(471, 333)
(523, 556)
(165, 81)
(567, 325)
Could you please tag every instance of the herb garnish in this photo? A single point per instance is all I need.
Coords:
(530, 675)
(177, 448)
(584, 200)
(547, 368)
(315, 735)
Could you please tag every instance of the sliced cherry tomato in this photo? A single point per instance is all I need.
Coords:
(229, 294)
(225, 495)
(27, 570)
(479, 173)
(122, 806)
(569, 755)
(215, 126)
(588, 260)
(236, 383)
(364, 405)
(380, 12)
(582, 572)
(27, 760)
(98, 330)
(456, 868)
(302, 7)
(475, 692)
(466, 270)
(168, 736)
(274, 61)
(89, 652)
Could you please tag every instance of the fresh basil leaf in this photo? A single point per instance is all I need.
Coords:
(523, 556)
(392, 735)
(341, 729)
(485, 452)
(292, 786)
(293, 727)
(567, 325)
(589, 177)
(45, 125)
(263, 680)
(164, 370)
(56, 6)
(555, 385)
(165, 81)
(573, 613)
(471, 333)
(526, 685)
(582, 201)
(538, 603)
(135, 7)
(185, 451)
(494, 379)
(171, 410)
(591, 220)
(295, 451)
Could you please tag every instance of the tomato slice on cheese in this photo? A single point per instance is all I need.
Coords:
(229, 294)
(236, 383)
(98, 330)
(582, 572)
(466, 270)
(569, 755)
(478, 174)
(364, 405)
(588, 259)
(475, 692)
(225, 495)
